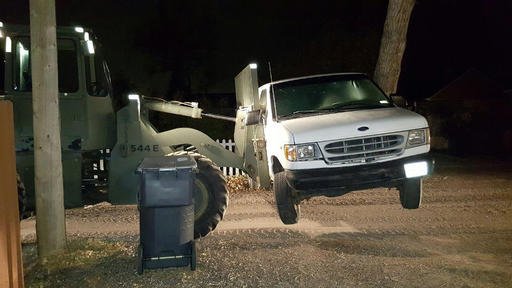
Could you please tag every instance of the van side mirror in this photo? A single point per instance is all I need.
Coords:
(253, 117)
(398, 100)
(263, 100)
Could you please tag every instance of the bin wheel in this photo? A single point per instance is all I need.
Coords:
(140, 260)
(22, 198)
(193, 256)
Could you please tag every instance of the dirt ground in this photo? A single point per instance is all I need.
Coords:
(460, 237)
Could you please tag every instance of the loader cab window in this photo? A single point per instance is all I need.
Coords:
(66, 61)
(97, 73)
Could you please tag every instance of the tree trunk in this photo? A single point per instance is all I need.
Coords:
(392, 45)
(50, 219)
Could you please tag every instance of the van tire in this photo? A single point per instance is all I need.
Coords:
(288, 207)
(410, 193)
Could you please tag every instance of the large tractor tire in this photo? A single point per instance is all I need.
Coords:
(288, 207)
(210, 195)
(22, 197)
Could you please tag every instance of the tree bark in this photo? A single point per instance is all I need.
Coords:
(392, 46)
(50, 220)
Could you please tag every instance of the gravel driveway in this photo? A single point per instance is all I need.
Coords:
(460, 237)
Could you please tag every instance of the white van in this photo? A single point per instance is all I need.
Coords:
(327, 135)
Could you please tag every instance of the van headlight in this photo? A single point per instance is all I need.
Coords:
(418, 137)
(302, 152)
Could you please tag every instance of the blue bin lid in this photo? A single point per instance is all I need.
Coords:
(167, 163)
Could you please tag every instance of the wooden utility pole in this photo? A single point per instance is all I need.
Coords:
(392, 45)
(50, 219)
(11, 266)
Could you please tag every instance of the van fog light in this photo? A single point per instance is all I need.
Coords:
(416, 169)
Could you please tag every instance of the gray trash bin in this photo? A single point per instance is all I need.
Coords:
(166, 208)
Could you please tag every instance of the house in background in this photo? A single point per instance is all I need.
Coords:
(471, 115)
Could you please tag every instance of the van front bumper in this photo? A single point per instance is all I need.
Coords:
(341, 180)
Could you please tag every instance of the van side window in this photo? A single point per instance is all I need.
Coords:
(67, 65)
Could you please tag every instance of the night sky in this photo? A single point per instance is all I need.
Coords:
(177, 48)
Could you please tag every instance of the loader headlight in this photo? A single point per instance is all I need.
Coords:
(418, 137)
(302, 152)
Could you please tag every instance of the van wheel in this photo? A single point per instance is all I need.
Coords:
(287, 206)
(410, 193)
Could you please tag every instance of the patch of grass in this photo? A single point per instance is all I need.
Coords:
(76, 265)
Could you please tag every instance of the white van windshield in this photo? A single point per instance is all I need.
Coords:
(326, 94)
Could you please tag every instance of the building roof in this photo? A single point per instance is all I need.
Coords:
(471, 85)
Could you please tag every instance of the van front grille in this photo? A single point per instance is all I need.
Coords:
(362, 150)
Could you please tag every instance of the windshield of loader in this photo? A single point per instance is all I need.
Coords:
(67, 62)
(326, 94)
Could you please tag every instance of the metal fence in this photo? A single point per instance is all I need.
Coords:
(229, 145)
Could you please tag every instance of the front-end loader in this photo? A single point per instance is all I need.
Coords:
(101, 147)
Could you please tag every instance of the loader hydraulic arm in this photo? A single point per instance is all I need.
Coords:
(137, 138)
(134, 128)
(189, 109)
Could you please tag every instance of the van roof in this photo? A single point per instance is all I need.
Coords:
(316, 76)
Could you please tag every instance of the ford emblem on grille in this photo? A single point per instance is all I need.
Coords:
(363, 128)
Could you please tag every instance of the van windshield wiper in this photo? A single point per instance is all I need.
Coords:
(301, 112)
(352, 105)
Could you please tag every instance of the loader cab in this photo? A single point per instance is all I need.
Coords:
(87, 117)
